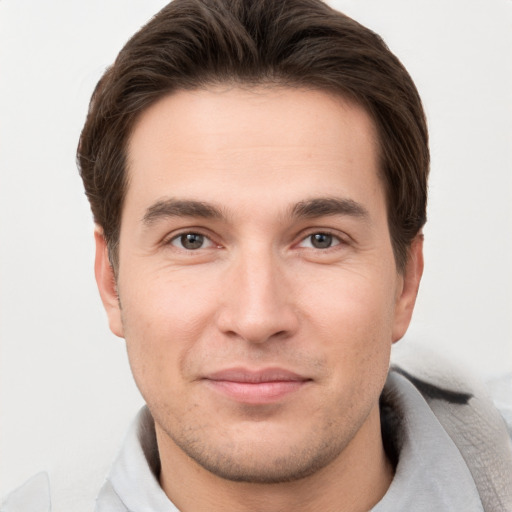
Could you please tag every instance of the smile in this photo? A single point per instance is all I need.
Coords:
(256, 387)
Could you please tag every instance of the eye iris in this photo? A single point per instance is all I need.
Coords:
(192, 241)
(321, 240)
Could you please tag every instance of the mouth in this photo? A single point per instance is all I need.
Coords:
(263, 386)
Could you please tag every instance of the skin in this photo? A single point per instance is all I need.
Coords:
(288, 268)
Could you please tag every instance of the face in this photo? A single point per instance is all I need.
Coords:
(259, 295)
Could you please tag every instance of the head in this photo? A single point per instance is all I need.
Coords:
(257, 171)
(300, 44)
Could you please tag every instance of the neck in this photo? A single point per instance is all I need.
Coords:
(354, 482)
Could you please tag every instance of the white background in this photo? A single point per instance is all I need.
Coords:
(66, 391)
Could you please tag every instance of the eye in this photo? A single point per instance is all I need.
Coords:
(320, 241)
(191, 241)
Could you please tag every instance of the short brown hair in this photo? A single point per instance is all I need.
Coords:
(192, 44)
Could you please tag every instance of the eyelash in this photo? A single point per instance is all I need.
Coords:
(197, 233)
(334, 239)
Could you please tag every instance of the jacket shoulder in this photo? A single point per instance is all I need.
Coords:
(465, 409)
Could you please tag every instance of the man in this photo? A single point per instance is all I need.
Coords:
(257, 173)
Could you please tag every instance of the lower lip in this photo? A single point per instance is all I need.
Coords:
(257, 392)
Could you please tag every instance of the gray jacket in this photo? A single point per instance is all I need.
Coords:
(452, 447)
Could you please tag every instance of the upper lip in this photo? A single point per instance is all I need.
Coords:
(255, 376)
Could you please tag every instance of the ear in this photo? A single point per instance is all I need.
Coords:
(407, 292)
(105, 279)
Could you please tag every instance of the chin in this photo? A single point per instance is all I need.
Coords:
(254, 461)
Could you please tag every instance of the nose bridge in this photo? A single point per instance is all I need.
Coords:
(257, 305)
(257, 277)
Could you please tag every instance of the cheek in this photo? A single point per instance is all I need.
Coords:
(167, 304)
(352, 317)
(350, 305)
(162, 320)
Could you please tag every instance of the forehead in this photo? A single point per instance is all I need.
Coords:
(230, 140)
(298, 115)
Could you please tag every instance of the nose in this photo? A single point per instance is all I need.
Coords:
(258, 303)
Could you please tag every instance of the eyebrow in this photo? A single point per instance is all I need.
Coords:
(180, 208)
(312, 208)
(319, 207)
